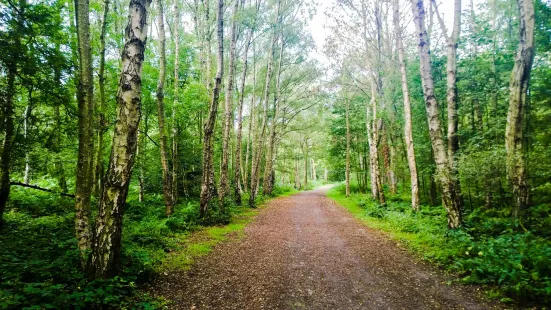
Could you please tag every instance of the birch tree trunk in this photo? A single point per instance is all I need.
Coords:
(348, 137)
(305, 153)
(102, 122)
(255, 170)
(83, 187)
(451, 77)
(208, 188)
(450, 195)
(175, 161)
(239, 134)
(26, 117)
(252, 126)
(268, 185)
(106, 251)
(167, 177)
(373, 137)
(228, 110)
(408, 130)
(297, 177)
(518, 88)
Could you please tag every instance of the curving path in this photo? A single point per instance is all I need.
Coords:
(306, 252)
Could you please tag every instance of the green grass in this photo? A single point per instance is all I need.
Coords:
(515, 265)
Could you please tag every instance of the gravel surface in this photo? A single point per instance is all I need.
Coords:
(306, 252)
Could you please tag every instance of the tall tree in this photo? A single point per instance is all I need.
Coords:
(408, 130)
(238, 176)
(348, 137)
(9, 113)
(228, 110)
(450, 195)
(451, 77)
(167, 176)
(268, 184)
(85, 97)
(106, 250)
(208, 187)
(102, 121)
(255, 169)
(175, 161)
(518, 88)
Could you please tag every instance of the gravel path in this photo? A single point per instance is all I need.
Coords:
(306, 252)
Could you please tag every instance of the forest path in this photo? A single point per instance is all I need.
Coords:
(306, 252)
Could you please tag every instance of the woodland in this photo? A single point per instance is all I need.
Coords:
(128, 127)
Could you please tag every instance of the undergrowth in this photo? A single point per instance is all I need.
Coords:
(39, 264)
(490, 250)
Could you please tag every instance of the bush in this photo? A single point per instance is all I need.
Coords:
(490, 249)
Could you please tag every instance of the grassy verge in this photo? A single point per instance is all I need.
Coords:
(39, 263)
(489, 250)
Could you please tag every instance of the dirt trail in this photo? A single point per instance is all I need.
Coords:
(305, 252)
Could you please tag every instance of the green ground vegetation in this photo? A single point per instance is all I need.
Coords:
(514, 263)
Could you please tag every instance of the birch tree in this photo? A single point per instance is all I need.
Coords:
(450, 194)
(85, 97)
(106, 249)
(408, 130)
(208, 187)
(518, 88)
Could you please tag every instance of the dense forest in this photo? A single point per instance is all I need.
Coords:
(129, 126)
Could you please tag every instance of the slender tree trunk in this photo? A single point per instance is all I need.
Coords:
(58, 164)
(239, 135)
(348, 137)
(373, 137)
(268, 185)
(85, 97)
(451, 77)
(228, 110)
(8, 135)
(518, 88)
(167, 177)
(305, 153)
(297, 176)
(208, 187)
(408, 127)
(450, 195)
(106, 251)
(255, 170)
(102, 122)
(252, 126)
(175, 160)
(26, 117)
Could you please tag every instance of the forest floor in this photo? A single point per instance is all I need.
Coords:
(306, 252)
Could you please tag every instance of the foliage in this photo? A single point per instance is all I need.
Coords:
(490, 250)
(39, 260)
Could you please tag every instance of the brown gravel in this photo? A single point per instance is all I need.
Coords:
(305, 252)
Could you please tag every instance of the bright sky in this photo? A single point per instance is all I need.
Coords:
(319, 32)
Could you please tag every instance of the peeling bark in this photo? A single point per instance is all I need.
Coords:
(106, 250)
(450, 191)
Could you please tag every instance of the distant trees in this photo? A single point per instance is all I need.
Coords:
(472, 73)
